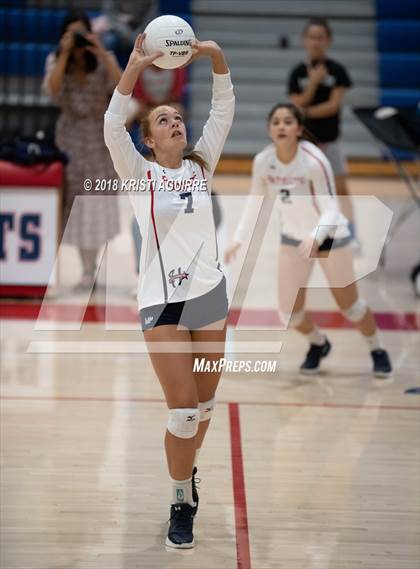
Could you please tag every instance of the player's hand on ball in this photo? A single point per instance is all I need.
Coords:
(138, 58)
(203, 48)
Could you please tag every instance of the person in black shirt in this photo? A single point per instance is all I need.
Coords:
(318, 86)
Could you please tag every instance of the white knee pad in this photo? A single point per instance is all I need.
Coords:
(356, 311)
(293, 320)
(183, 423)
(206, 410)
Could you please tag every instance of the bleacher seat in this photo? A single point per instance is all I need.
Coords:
(24, 59)
(30, 29)
(260, 67)
(31, 25)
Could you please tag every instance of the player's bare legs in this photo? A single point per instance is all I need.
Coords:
(174, 371)
(338, 269)
(182, 387)
(207, 382)
(293, 276)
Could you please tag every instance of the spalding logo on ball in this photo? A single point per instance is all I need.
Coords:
(171, 35)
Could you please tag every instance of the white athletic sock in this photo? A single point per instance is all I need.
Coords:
(316, 337)
(182, 492)
(197, 454)
(373, 341)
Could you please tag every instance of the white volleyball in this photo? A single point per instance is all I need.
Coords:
(171, 35)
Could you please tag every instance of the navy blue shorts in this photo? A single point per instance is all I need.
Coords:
(326, 245)
(193, 314)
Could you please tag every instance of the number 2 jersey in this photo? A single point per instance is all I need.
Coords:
(304, 191)
(180, 257)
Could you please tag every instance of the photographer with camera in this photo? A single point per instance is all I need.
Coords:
(80, 76)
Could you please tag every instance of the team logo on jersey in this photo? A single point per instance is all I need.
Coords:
(179, 276)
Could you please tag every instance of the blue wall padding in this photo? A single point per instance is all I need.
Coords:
(399, 70)
(177, 7)
(397, 9)
(399, 35)
(400, 97)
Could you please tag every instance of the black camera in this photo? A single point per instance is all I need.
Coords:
(80, 40)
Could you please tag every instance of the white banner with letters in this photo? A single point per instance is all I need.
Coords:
(28, 235)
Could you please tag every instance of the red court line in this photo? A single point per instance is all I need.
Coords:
(219, 402)
(408, 321)
(23, 290)
(243, 555)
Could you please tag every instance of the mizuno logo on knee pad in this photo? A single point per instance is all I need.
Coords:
(183, 423)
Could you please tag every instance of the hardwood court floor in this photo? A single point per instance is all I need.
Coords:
(318, 473)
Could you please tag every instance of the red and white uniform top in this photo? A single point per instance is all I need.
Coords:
(304, 191)
(180, 257)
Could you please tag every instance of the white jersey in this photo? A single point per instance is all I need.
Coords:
(180, 257)
(305, 195)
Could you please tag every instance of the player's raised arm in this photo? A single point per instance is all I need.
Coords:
(128, 162)
(217, 127)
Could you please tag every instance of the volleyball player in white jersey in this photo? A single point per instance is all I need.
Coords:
(299, 175)
(182, 290)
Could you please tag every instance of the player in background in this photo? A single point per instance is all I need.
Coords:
(319, 86)
(299, 176)
(182, 288)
